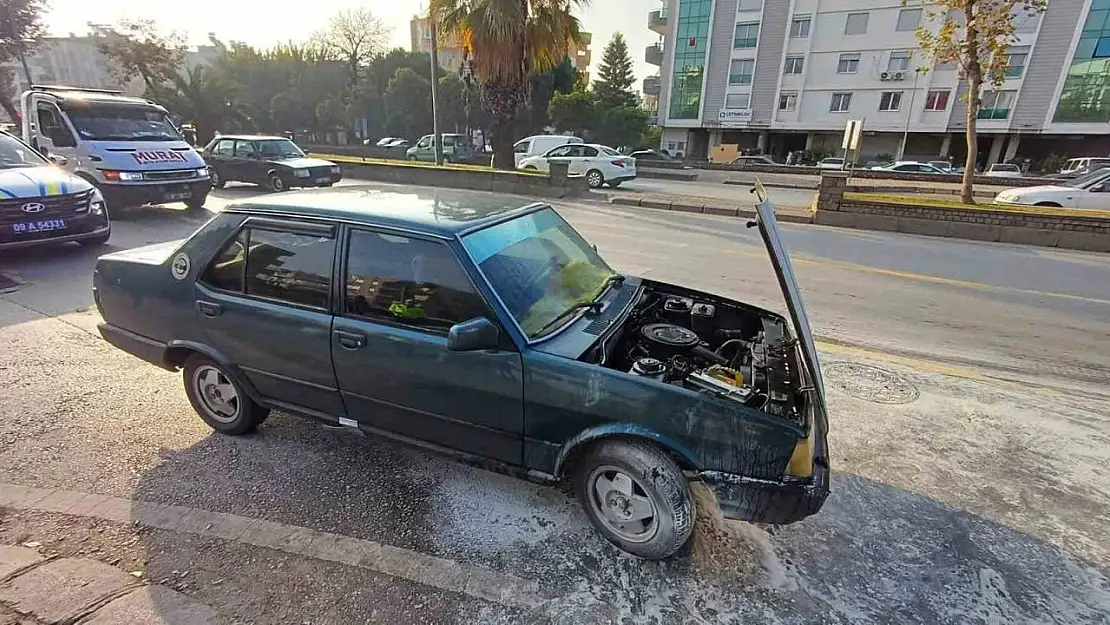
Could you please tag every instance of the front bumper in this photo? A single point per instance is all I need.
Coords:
(312, 181)
(124, 195)
(767, 501)
(79, 229)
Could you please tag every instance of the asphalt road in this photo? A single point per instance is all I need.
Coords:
(970, 443)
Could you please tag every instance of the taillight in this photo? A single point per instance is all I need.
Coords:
(619, 163)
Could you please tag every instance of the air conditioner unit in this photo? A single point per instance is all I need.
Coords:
(884, 76)
(899, 75)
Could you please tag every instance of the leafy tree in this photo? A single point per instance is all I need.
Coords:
(354, 37)
(507, 40)
(136, 48)
(21, 30)
(206, 99)
(452, 111)
(408, 104)
(652, 139)
(615, 76)
(564, 78)
(575, 112)
(974, 34)
(621, 126)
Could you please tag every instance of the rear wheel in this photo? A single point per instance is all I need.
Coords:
(1052, 204)
(218, 398)
(636, 497)
(275, 183)
(595, 178)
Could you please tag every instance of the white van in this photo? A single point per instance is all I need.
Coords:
(126, 147)
(537, 145)
(1076, 167)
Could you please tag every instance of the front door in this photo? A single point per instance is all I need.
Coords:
(54, 136)
(264, 303)
(1096, 197)
(389, 347)
(562, 154)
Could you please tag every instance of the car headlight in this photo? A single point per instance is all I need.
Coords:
(202, 172)
(300, 173)
(96, 203)
(335, 169)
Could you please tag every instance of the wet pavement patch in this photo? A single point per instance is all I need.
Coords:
(870, 383)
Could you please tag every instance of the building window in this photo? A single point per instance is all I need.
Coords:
(840, 102)
(848, 64)
(747, 34)
(1015, 61)
(692, 35)
(1085, 96)
(899, 61)
(996, 104)
(793, 65)
(738, 100)
(936, 100)
(908, 19)
(890, 101)
(750, 5)
(741, 72)
(788, 101)
(855, 24)
(799, 27)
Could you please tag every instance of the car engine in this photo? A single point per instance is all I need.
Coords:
(712, 347)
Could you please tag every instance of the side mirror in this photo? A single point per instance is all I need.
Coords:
(474, 335)
(58, 160)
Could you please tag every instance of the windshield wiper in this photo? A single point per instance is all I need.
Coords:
(594, 306)
(616, 279)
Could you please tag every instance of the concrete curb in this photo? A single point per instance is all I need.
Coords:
(707, 209)
(778, 185)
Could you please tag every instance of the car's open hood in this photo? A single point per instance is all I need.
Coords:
(769, 228)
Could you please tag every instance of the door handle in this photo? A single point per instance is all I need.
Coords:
(209, 309)
(350, 340)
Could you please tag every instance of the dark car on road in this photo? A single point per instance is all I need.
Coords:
(273, 162)
(486, 328)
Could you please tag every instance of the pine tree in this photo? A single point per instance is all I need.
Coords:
(613, 86)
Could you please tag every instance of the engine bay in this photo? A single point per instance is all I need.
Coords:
(712, 346)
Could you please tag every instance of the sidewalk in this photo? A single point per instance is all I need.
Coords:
(708, 206)
(35, 590)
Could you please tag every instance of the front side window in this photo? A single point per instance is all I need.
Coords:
(793, 65)
(741, 72)
(539, 266)
(522, 147)
(890, 100)
(855, 24)
(224, 147)
(14, 153)
(245, 148)
(409, 281)
(104, 122)
(280, 265)
(848, 63)
(799, 27)
(840, 102)
(747, 35)
(936, 100)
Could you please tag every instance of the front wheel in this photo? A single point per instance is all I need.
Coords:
(217, 181)
(218, 398)
(636, 497)
(196, 202)
(1048, 204)
(595, 178)
(275, 183)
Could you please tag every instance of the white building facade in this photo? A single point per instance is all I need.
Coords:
(785, 75)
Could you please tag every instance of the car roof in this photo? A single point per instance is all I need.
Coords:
(250, 137)
(439, 212)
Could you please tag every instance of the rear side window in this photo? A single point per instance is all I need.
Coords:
(244, 149)
(285, 266)
(408, 281)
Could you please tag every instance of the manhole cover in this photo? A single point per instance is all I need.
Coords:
(870, 383)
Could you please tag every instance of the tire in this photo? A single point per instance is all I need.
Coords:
(595, 179)
(275, 183)
(99, 239)
(613, 184)
(530, 168)
(196, 203)
(1049, 204)
(637, 478)
(216, 179)
(219, 400)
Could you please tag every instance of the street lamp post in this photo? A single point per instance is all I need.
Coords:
(909, 113)
(438, 147)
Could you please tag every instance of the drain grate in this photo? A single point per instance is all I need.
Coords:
(870, 383)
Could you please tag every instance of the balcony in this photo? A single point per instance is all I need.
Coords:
(657, 21)
(652, 85)
(653, 55)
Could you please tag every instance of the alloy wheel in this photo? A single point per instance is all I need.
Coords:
(217, 394)
(622, 504)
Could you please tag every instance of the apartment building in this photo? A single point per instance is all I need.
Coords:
(780, 76)
(450, 51)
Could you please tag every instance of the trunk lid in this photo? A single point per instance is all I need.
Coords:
(772, 238)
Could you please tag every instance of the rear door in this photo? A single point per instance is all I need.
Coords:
(584, 158)
(264, 303)
(389, 346)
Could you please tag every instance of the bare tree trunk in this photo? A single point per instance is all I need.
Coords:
(26, 69)
(10, 109)
(973, 101)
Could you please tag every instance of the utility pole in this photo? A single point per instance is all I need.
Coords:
(435, 88)
(909, 115)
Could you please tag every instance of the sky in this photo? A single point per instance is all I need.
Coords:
(260, 23)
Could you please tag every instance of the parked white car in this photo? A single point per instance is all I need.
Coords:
(1091, 191)
(598, 163)
(538, 145)
(834, 162)
(912, 167)
(1000, 170)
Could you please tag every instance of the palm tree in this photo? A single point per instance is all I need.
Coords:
(508, 40)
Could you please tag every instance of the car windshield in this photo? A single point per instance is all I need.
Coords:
(279, 148)
(15, 154)
(1005, 168)
(1087, 179)
(539, 266)
(121, 123)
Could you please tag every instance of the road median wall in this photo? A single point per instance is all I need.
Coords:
(556, 185)
(1061, 228)
(805, 170)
